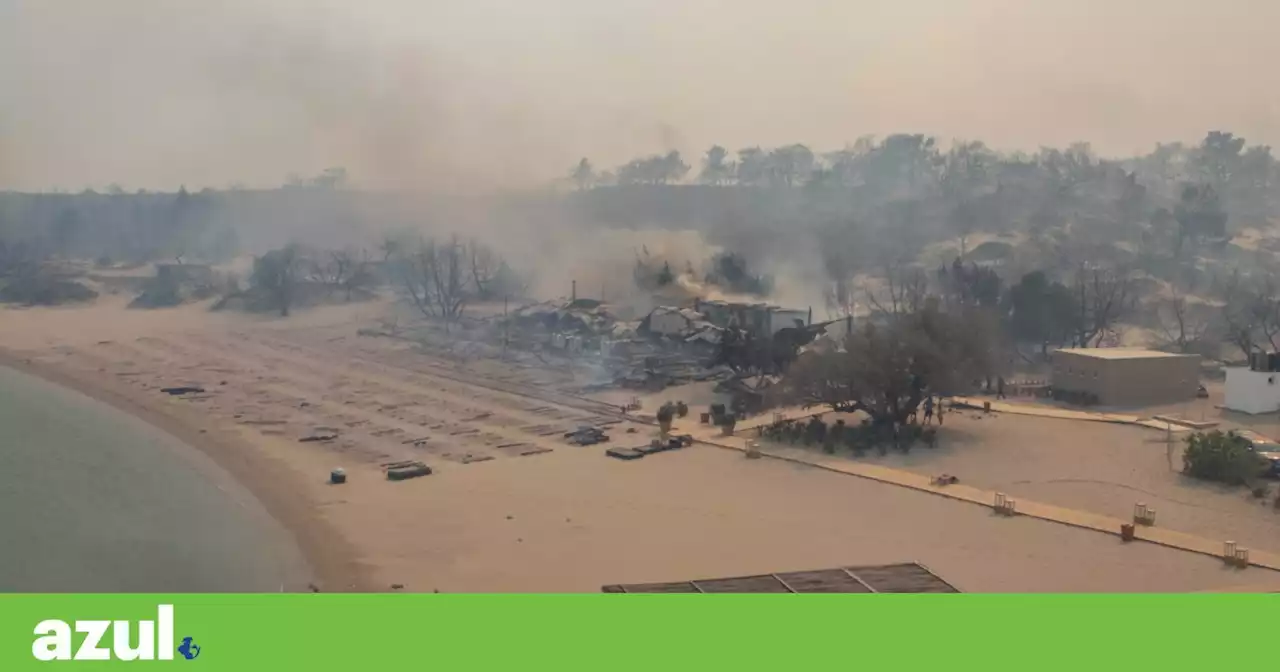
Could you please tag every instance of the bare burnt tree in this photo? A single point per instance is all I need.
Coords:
(903, 291)
(327, 268)
(485, 267)
(357, 275)
(1102, 297)
(1251, 313)
(345, 270)
(436, 277)
(1240, 328)
(491, 277)
(1181, 327)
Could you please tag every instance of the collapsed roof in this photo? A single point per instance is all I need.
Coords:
(582, 316)
(684, 324)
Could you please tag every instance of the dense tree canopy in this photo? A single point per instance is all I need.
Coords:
(885, 369)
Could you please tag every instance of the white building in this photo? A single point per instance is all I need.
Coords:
(1250, 391)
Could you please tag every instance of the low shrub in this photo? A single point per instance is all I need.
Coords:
(1219, 456)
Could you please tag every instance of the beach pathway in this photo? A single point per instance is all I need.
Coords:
(744, 433)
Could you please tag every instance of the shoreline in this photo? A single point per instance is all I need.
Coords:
(331, 561)
(536, 515)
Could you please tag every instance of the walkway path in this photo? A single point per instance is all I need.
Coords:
(1068, 414)
(1043, 411)
(1157, 535)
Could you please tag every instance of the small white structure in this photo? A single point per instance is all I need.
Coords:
(1250, 391)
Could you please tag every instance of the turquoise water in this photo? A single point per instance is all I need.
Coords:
(94, 500)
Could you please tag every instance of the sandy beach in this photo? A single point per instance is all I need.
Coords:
(512, 507)
(1097, 467)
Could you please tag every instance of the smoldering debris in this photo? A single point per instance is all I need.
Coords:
(631, 354)
(575, 318)
(586, 436)
(591, 347)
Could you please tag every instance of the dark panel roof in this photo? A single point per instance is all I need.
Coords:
(908, 578)
(682, 587)
(824, 581)
(765, 583)
(900, 578)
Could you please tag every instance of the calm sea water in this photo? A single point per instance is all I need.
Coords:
(94, 500)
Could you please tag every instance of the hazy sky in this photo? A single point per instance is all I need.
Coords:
(154, 93)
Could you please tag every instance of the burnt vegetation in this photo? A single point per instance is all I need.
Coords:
(962, 263)
(925, 243)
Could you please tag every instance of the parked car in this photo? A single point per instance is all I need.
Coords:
(1267, 449)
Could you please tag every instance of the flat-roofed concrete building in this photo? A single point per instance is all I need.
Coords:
(1124, 376)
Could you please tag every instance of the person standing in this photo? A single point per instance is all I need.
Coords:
(928, 409)
(1000, 387)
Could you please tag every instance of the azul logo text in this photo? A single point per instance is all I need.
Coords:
(107, 640)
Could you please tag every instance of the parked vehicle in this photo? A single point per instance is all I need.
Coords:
(1267, 449)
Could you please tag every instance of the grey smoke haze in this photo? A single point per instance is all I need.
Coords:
(448, 95)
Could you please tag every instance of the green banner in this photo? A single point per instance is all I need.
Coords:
(649, 632)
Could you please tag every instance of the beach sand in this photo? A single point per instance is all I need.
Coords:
(1097, 467)
(512, 507)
